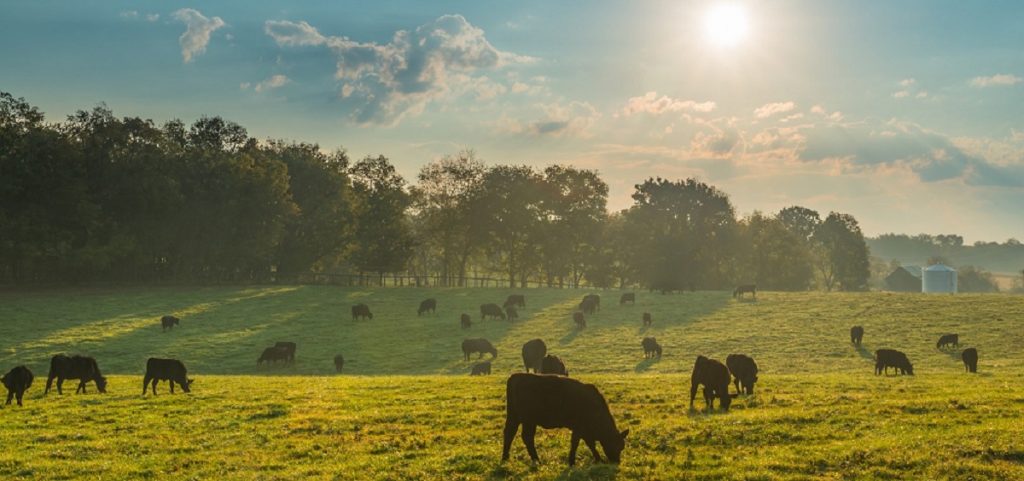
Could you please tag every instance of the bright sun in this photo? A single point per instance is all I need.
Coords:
(726, 24)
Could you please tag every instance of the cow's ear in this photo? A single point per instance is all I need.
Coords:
(624, 434)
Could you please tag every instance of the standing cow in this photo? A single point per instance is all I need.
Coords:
(948, 340)
(478, 345)
(744, 371)
(491, 310)
(465, 321)
(856, 335)
(969, 357)
(481, 369)
(339, 362)
(581, 322)
(168, 322)
(17, 381)
(515, 300)
(745, 289)
(886, 358)
(273, 354)
(647, 319)
(714, 376)
(290, 347)
(629, 297)
(361, 311)
(82, 368)
(651, 347)
(553, 365)
(170, 370)
(533, 354)
(427, 305)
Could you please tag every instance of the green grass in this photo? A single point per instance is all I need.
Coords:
(397, 413)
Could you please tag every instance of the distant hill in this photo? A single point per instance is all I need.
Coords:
(1006, 258)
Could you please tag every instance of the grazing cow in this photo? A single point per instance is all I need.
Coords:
(465, 321)
(553, 365)
(273, 354)
(629, 297)
(886, 358)
(714, 376)
(478, 345)
(856, 335)
(515, 300)
(170, 370)
(559, 402)
(287, 346)
(969, 357)
(17, 381)
(587, 305)
(577, 317)
(948, 340)
(533, 354)
(647, 319)
(361, 311)
(168, 322)
(595, 299)
(339, 362)
(82, 368)
(427, 305)
(512, 313)
(651, 347)
(744, 371)
(481, 369)
(743, 289)
(491, 310)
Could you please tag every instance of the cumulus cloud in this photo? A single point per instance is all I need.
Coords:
(275, 81)
(652, 104)
(388, 81)
(571, 119)
(909, 90)
(129, 14)
(1002, 79)
(768, 110)
(197, 33)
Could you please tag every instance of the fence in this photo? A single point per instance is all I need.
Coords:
(409, 280)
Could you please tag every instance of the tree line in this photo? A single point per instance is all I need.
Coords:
(102, 198)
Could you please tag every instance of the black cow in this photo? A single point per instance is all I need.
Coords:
(465, 321)
(168, 322)
(427, 305)
(533, 354)
(647, 319)
(577, 317)
(886, 358)
(361, 311)
(714, 376)
(590, 304)
(629, 297)
(969, 357)
(744, 371)
(743, 289)
(481, 369)
(856, 335)
(287, 346)
(595, 299)
(515, 300)
(17, 381)
(339, 362)
(553, 365)
(651, 347)
(478, 345)
(273, 354)
(170, 370)
(559, 402)
(491, 310)
(948, 340)
(512, 313)
(82, 368)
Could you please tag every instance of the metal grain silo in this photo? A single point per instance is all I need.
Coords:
(938, 278)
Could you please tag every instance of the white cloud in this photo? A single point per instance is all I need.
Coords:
(197, 34)
(1002, 79)
(901, 94)
(652, 104)
(275, 81)
(152, 17)
(767, 110)
(571, 119)
(129, 14)
(907, 82)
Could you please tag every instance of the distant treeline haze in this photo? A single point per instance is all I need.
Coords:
(101, 198)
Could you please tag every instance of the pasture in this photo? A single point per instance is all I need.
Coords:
(405, 407)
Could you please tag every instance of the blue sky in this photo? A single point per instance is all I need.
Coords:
(906, 114)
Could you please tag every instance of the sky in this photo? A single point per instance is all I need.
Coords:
(906, 114)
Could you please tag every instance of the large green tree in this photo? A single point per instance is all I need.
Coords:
(383, 235)
(842, 255)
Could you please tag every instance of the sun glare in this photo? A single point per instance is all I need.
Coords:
(726, 24)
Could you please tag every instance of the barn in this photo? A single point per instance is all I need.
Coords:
(904, 279)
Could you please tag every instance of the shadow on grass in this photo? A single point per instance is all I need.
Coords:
(865, 352)
(597, 471)
(646, 364)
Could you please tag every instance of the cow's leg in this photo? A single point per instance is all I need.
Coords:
(155, 381)
(10, 394)
(171, 382)
(529, 432)
(573, 444)
(49, 382)
(21, 392)
(510, 433)
(736, 381)
(709, 398)
(593, 450)
(81, 386)
(145, 384)
(60, 385)
(693, 393)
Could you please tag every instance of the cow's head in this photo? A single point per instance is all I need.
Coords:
(187, 387)
(614, 445)
(101, 384)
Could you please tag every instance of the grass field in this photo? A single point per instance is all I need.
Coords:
(404, 409)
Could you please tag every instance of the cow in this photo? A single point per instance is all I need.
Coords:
(168, 322)
(651, 347)
(427, 305)
(587, 306)
(481, 369)
(339, 363)
(17, 381)
(969, 357)
(273, 354)
(595, 299)
(491, 310)
(361, 311)
(465, 321)
(533, 354)
(647, 319)
(170, 370)
(948, 340)
(886, 358)
(856, 335)
(714, 376)
(577, 317)
(478, 345)
(82, 368)
(629, 297)
(744, 372)
(553, 365)
(512, 313)
(560, 402)
(743, 289)
(515, 300)
(287, 346)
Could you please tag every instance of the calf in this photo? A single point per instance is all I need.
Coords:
(969, 357)
(17, 381)
(465, 321)
(651, 347)
(886, 358)
(427, 305)
(170, 370)
(629, 297)
(491, 310)
(287, 346)
(168, 322)
(339, 363)
(647, 319)
(856, 335)
(481, 369)
(559, 402)
(533, 354)
(948, 340)
(478, 345)
(515, 300)
(361, 311)
(577, 317)
(714, 376)
(82, 368)
(744, 371)
(744, 289)
(553, 365)
(512, 313)
(273, 354)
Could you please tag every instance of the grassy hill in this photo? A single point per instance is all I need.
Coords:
(396, 413)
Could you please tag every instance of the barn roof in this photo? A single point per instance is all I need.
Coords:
(913, 270)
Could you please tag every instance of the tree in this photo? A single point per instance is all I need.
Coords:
(972, 279)
(777, 258)
(384, 241)
(842, 254)
(574, 207)
(509, 208)
(801, 221)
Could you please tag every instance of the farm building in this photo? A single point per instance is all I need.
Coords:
(938, 278)
(904, 279)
